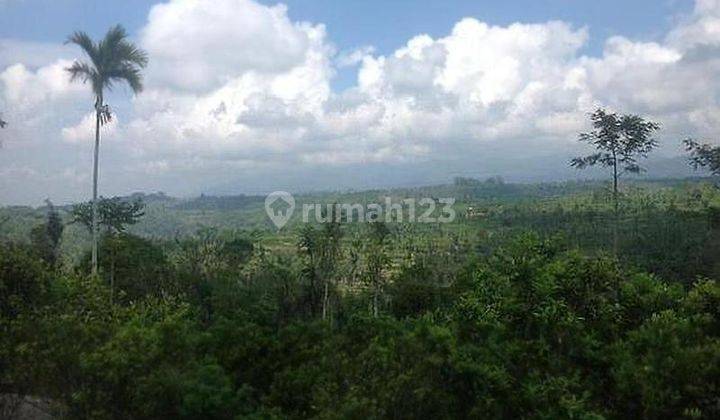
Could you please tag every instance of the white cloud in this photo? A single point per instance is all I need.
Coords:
(479, 83)
(35, 101)
(702, 28)
(247, 81)
(237, 89)
(84, 131)
(197, 45)
(23, 88)
(354, 57)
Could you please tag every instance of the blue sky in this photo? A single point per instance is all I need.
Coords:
(244, 96)
(383, 24)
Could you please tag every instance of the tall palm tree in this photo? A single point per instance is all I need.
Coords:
(113, 60)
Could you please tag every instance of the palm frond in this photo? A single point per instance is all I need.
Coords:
(122, 60)
(84, 41)
(114, 36)
(80, 70)
(114, 60)
(128, 53)
(109, 45)
(129, 74)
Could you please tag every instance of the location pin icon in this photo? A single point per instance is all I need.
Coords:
(279, 206)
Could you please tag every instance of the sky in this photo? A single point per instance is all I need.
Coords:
(245, 96)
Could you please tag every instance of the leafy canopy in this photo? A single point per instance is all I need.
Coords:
(115, 214)
(703, 156)
(619, 139)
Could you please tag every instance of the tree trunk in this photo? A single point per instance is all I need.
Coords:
(615, 184)
(376, 296)
(98, 107)
(112, 271)
(615, 204)
(112, 279)
(325, 302)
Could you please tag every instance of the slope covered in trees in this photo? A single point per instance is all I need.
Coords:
(514, 310)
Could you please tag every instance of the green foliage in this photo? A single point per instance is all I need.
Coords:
(376, 259)
(479, 319)
(620, 141)
(114, 214)
(418, 289)
(669, 368)
(703, 156)
(135, 267)
(46, 237)
(321, 251)
(23, 280)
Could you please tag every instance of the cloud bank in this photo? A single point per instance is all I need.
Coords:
(238, 97)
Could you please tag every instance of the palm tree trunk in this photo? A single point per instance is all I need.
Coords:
(98, 105)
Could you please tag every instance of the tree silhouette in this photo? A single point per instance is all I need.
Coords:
(114, 214)
(321, 249)
(46, 237)
(377, 260)
(620, 141)
(703, 156)
(112, 60)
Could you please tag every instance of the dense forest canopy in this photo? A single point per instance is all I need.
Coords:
(514, 310)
